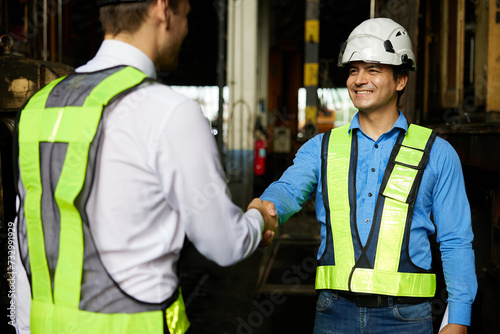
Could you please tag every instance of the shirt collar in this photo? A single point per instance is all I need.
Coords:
(114, 53)
(400, 123)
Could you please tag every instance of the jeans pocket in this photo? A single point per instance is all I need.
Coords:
(413, 312)
(325, 300)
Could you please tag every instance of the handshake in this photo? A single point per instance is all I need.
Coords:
(268, 212)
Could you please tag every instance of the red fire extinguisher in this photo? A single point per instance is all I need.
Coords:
(259, 162)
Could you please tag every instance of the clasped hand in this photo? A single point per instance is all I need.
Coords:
(268, 212)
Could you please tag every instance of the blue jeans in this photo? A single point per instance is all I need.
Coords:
(337, 315)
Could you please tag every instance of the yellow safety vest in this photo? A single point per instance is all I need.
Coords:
(72, 128)
(339, 268)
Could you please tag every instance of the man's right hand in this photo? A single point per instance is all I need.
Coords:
(454, 328)
(268, 212)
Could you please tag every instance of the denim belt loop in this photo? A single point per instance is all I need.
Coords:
(390, 302)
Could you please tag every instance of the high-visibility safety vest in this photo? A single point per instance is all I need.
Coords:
(59, 133)
(383, 265)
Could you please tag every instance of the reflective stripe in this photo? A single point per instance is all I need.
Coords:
(57, 319)
(392, 228)
(376, 281)
(177, 320)
(393, 283)
(419, 137)
(333, 277)
(384, 278)
(38, 100)
(53, 318)
(108, 88)
(409, 156)
(79, 128)
(339, 152)
(400, 183)
(30, 174)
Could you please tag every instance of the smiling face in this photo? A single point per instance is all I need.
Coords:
(372, 87)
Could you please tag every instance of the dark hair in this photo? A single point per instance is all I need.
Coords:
(398, 71)
(127, 16)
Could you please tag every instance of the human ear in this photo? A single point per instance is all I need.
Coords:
(401, 83)
(162, 12)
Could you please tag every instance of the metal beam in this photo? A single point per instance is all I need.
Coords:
(311, 67)
(242, 81)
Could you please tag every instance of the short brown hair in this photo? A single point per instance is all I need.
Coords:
(127, 17)
(399, 71)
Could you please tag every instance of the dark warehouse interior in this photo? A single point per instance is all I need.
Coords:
(272, 291)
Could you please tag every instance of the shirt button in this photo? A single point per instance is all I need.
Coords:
(376, 146)
(373, 169)
(367, 220)
(370, 195)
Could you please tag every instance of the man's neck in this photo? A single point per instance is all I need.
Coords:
(140, 39)
(376, 124)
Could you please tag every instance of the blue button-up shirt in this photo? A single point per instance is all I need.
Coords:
(442, 193)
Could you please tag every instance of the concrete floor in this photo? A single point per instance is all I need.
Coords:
(225, 301)
(230, 300)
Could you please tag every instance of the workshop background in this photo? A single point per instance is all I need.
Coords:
(265, 74)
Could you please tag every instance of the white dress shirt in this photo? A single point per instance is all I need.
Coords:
(158, 179)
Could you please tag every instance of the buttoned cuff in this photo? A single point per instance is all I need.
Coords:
(460, 313)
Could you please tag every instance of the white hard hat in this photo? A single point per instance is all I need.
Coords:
(379, 40)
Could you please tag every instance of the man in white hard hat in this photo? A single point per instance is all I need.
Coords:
(378, 180)
(116, 170)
